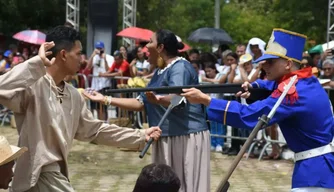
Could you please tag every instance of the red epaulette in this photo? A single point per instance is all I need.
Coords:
(292, 95)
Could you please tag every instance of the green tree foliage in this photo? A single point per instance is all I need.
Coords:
(243, 23)
(307, 17)
(17, 15)
(242, 19)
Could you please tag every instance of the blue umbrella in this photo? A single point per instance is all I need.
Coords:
(211, 36)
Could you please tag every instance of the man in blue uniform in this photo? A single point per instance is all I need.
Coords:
(305, 116)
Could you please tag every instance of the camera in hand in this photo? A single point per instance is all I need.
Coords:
(100, 60)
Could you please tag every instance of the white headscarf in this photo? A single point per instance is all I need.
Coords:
(178, 38)
(255, 41)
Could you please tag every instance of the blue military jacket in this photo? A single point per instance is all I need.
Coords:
(306, 123)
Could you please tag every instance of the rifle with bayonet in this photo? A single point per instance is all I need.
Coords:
(256, 94)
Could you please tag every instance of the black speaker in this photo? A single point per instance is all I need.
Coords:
(103, 15)
(103, 12)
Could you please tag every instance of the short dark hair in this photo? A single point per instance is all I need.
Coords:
(234, 55)
(312, 55)
(157, 177)
(309, 61)
(135, 51)
(196, 62)
(68, 24)
(126, 49)
(63, 37)
(210, 65)
(241, 44)
(192, 51)
(207, 56)
(295, 64)
(169, 40)
(118, 54)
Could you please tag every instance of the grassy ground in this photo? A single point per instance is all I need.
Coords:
(102, 168)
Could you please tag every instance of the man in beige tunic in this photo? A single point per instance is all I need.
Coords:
(50, 114)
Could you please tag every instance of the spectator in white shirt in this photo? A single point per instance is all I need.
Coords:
(246, 70)
(232, 61)
(224, 67)
(100, 62)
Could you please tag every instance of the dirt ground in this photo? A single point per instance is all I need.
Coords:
(103, 168)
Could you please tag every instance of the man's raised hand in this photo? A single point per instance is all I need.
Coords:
(44, 52)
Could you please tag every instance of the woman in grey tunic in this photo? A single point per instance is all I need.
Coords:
(185, 141)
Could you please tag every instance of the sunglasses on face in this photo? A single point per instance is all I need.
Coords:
(326, 69)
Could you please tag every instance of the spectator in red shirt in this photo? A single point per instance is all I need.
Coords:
(86, 70)
(120, 67)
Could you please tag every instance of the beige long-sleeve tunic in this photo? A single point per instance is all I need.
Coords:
(47, 126)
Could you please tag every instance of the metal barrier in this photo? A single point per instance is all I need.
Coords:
(232, 137)
(135, 117)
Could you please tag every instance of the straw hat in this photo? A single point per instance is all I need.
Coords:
(245, 58)
(8, 152)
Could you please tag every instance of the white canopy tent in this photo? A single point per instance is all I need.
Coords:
(328, 45)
